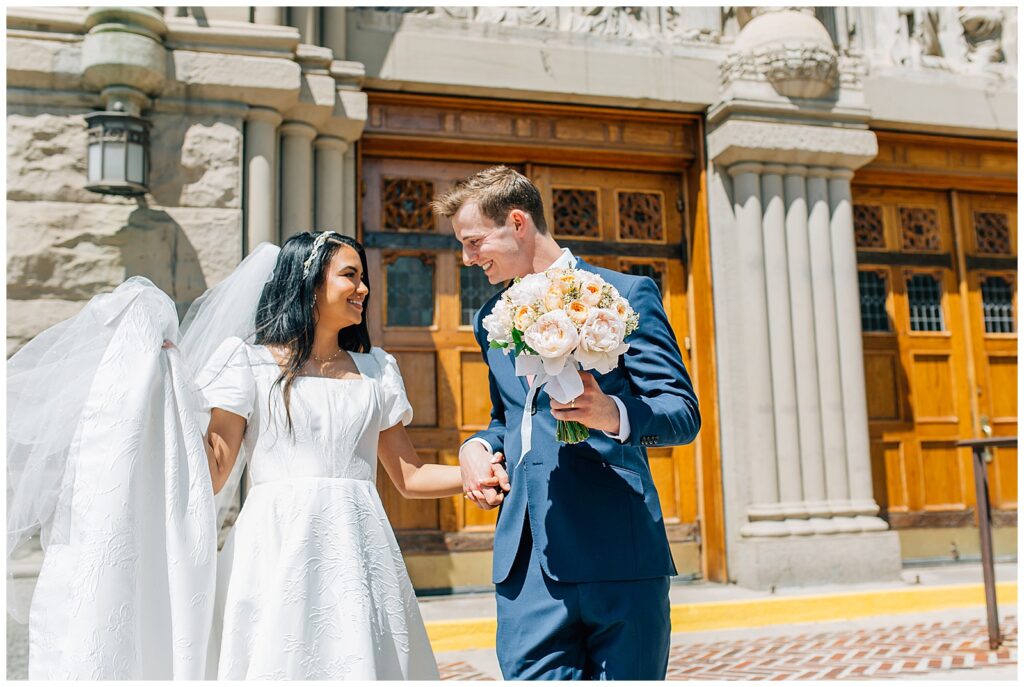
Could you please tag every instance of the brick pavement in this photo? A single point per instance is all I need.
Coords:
(891, 652)
(896, 651)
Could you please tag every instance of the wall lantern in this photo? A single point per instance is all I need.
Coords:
(118, 152)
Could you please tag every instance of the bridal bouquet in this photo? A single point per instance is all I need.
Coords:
(559, 321)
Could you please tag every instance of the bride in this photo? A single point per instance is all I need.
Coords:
(107, 463)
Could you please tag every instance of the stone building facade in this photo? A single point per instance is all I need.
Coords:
(807, 186)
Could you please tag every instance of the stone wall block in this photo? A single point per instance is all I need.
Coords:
(258, 81)
(73, 251)
(196, 162)
(46, 159)
(47, 65)
(27, 318)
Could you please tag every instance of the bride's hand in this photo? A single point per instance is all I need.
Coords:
(168, 344)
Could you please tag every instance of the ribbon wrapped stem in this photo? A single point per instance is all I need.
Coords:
(564, 386)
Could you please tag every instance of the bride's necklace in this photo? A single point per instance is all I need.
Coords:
(328, 358)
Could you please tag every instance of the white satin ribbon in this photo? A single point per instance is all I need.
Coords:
(564, 387)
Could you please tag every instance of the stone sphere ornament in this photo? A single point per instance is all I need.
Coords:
(787, 47)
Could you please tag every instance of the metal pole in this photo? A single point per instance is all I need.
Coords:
(983, 508)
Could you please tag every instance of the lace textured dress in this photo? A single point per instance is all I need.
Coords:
(313, 583)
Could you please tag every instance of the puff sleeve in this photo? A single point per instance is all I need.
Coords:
(395, 404)
(227, 381)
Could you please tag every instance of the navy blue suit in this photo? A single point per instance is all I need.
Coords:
(581, 558)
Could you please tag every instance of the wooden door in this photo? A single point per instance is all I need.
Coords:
(423, 299)
(988, 223)
(634, 222)
(915, 355)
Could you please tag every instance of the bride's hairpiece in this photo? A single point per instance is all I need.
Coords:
(317, 245)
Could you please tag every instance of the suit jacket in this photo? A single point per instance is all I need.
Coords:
(594, 512)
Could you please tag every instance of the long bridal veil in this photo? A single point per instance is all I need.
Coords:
(106, 466)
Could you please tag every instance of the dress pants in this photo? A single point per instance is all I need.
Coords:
(549, 630)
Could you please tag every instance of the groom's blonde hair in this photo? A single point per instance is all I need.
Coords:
(498, 191)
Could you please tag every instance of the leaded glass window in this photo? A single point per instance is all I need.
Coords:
(925, 296)
(474, 290)
(997, 302)
(873, 294)
(410, 292)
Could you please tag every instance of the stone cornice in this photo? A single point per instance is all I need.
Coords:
(46, 20)
(233, 38)
(799, 144)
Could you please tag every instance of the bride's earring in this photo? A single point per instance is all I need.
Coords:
(314, 301)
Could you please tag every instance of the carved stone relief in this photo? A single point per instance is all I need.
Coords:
(956, 39)
(701, 24)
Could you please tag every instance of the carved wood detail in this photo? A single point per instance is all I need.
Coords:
(992, 232)
(576, 213)
(406, 205)
(641, 216)
(512, 124)
(868, 227)
(920, 228)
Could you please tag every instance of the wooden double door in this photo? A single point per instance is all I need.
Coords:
(424, 300)
(938, 286)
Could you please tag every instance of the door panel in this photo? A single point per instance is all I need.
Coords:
(425, 298)
(989, 224)
(915, 355)
(609, 211)
(416, 262)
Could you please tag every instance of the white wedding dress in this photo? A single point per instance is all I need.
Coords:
(106, 465)
(317, 587)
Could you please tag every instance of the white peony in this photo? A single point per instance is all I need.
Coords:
(601, 341)
(554, 298)
(621, 308)
(553, 336)
(578, 312)
(523, 317)
(529, 289)
(498, 323)
(590, 289)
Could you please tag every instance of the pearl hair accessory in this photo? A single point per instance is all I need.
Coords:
(317, 245)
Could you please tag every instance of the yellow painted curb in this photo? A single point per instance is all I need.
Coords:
(478, 633)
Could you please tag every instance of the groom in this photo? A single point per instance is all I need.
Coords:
(581, 559)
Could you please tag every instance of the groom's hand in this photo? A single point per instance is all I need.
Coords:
(479, 469)
(593, 408)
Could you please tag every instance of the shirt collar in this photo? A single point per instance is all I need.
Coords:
(565, 261)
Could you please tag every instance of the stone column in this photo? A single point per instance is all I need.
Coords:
(330, 162)
(261, 176)
(273, 16)
(826, 341)
(780, 346)
(755, 404)
(306, 20)
(812, 461)
(851, 353)
(794, 413)
(334, 30)
(296, 178)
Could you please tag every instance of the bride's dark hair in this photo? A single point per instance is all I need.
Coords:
(285, 316)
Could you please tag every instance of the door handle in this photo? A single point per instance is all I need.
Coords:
(986, 429)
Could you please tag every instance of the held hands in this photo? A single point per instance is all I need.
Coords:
(484, 480)
(593, 408)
